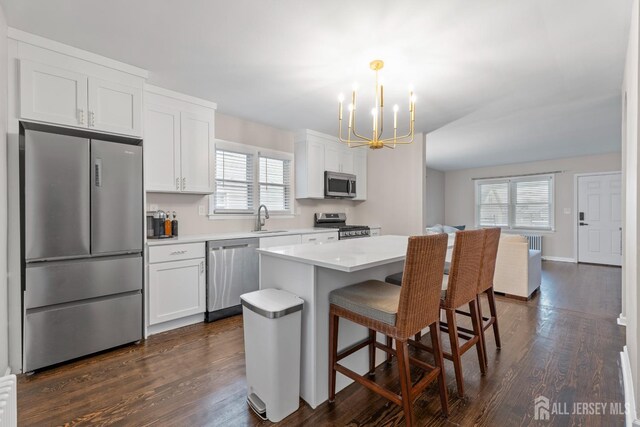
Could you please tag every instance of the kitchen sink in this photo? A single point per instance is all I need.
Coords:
(269, 231)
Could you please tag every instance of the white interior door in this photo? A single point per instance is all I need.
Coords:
(600, 219)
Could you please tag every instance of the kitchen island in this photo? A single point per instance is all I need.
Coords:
(312, 272)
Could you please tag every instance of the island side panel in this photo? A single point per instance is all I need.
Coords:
(299, 279)
(349, 333)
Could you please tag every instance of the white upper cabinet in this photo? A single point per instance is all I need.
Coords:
(50, 94)
(360, 171)
(196, 133)
(332, 158)
(178, 140)
(114, 107)
(316, 153)
(59, 96)
(162, 148)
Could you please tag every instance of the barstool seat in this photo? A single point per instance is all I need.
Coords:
(396, 279)
(373, 299)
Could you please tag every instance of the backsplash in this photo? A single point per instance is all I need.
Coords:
(187, 206)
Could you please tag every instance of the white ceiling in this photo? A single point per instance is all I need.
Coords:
(497, 81)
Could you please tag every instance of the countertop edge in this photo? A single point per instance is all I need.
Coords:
(197, 238)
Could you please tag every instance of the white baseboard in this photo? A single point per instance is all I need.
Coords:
(629, 396)
(174, 324)
(559, 259)
(621, 320)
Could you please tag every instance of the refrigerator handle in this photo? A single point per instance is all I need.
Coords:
(98, 172)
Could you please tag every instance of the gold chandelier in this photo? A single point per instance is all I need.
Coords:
(354, 139)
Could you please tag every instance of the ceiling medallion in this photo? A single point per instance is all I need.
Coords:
(354, 139)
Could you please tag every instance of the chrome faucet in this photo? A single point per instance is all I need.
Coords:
(259, 221)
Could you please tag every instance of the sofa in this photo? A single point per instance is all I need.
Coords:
(518, 269)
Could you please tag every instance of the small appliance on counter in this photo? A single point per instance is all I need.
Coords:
(339, 221)
(160, 225)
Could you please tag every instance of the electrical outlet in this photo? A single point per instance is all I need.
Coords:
(153, 207)
(201, 210)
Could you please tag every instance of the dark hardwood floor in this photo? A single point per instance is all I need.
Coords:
(564, 344)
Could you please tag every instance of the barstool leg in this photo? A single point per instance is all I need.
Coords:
(333, 354)
(405, 381)
(492, 308)
(475, 321)
(372, 352)
(484, 340)
(390, 345)
(455, 350)
(439, 362)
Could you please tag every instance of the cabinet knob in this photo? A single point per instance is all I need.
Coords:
(92, 119)
(184, 183)
(177, 183)
(81, 116)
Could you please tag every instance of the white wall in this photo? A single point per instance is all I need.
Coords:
(246, 132)
(4, 343)
(434, 197)
(460, 197)
(396, 185)
(630, 264)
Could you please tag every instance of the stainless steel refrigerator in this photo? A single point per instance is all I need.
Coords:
(82, 236)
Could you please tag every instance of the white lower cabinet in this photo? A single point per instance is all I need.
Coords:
(176, 289)
(291, 239)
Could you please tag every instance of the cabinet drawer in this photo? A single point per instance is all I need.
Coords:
(319, 238)
(176, 252)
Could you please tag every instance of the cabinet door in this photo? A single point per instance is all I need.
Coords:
(162, 148)
(269, 242)
(332, 158)
(346, 160)
(54, 95)
(315, 169)
(114, 107)
(176, 289)
(196, 133)
(360, 170)
(320, 238)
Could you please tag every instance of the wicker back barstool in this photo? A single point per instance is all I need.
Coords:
(399, 313)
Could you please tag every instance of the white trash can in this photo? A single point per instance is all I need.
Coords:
(272, 328)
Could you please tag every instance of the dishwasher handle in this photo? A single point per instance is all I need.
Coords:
(231, 244)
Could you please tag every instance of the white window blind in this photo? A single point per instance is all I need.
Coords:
(516, 202)
(532, 203)
(493, 203)
(234, 182)
(274, 181)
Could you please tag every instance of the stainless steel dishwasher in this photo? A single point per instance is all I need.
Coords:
(232, 270)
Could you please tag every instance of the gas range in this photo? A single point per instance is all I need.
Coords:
(339, 222)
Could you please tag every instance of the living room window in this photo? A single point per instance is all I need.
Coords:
(518, 202)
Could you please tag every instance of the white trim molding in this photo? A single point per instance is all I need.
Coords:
(180, 96)
(631, 419)
(559, 259)
(32, 39)
(621, 320)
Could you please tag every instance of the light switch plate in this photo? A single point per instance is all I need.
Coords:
(567, 211)
(201, 210)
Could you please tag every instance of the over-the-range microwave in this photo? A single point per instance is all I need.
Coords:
(339, 185)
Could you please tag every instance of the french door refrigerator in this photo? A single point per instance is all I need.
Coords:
(82, 246)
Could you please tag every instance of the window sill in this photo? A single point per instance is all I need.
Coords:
(520, 230)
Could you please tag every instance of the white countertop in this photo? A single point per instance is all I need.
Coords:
(195, 238)
(345, 255)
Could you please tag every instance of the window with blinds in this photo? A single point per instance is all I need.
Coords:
(274, 182)
(234, 182)
(516, 202)
(493, 204)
